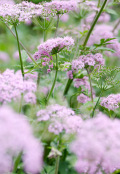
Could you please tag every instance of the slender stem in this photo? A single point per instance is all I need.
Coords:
(38, 80)
(21, 62)
(57, 164)
(53, 85)
(17, 161)
(115, 27)
(92, 114)
(44, 38)
(69, 82)
(58, 18)
(94, 23)
(44, 33)
(22, 45)
(89, 33)
(21, 100)
(90, 84)
(98, 4)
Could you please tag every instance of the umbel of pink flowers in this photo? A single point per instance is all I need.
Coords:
(24, 11)
(51, 47)
(60, 119)
(88, 60)
(12, 86)
(16, 137)
(111, 102)
(97, 146)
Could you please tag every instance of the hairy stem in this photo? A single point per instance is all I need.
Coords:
(92, 114)
(90, 84)
(57, 164)
(94, 23)
(21, 62)
(53, 85)
(58, 18)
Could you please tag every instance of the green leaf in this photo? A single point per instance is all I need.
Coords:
(105, 49)
(111, 11)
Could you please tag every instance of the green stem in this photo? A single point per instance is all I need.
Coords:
(44, 32)
(89, 33)
(21, 100)
(94, 23)
(22, 45)
(38, 80)
(92, 114)
(91, 91)
(57, 164)
(16, 163)
(98, 4)
(21, 62)
(53, 85)
(58, 18)
(44, 38)
(69, 82)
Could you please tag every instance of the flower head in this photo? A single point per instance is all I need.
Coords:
(111, 102)
(97, 144)
(51, 47)
(61, 7)
(16, 136)
(12, 86)
(60, 118)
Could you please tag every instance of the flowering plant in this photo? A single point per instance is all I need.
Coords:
(59, 91)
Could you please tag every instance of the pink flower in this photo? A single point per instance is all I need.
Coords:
(97, 145)
(12, 85)
(61, 6)
(83, 98)
(51, 47)
(16, 136)
(111, 102)
(60, 119)
(83, 82)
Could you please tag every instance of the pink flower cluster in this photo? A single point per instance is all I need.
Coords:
(12, 86)
(83, 82)
(22, 12)
(97, 146)
(60, 118)
(77, 65)
(50, 47)
(92, 60)
(82, 98)
(7, 2)
(111, 102)
(16, 136)
(105, 32)
(61, 6)
(95, 60)
(85, 86)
